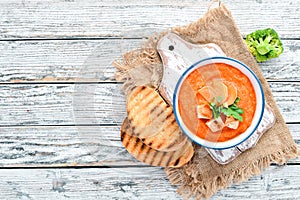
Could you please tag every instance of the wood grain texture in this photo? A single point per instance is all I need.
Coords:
(134, 184)
(60, 146)
(90, 60)
(61, 60)
(52, 121)
(75, 104)
(61, 104)
(63, 146)
(93, 18)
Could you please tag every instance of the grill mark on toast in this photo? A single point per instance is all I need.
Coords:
(141, 115)
(177, 161)
(139, 151)
(124, 129)
(153, 142)
(171, 130)
(160, 113)
(137, 140)
(171, 127)
(134, 96)
(153, 100)
(143, 152)
(129, 120)
(153, 157)
(128, 143)
(174, 143)
(179, 154)
(171, 145)
(145, 96)
(157, 159)
(162, 106)
(169, 115)
(133, 128)
(147, 93)
(136, 143)
(159, 145)
(171, 122)
(161, 159)
(170, 159)
(141, 111)
(136, 91)
(122, 135)
(125, 140)
(167, 118)
(136, 151)
(159, 104)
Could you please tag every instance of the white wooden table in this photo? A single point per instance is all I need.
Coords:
(61, 107)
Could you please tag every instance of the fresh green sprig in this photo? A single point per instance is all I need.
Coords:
(216, 110)
(233, 110)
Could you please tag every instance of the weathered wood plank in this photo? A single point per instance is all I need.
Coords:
(61, 104)
(69, 104)
(62, 146)
(61, 61)
(48, 146)
(93, 18)
(86, 60)
(134, 183)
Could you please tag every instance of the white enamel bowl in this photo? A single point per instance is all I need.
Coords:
(260, 103)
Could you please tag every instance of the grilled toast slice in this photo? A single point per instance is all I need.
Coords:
(152, 119)
(146, 111)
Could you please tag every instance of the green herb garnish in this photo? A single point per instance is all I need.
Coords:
(233, 110)
(215, 109)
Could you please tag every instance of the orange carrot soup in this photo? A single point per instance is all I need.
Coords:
(217, 102)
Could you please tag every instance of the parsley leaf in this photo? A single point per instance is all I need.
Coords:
(233, 110)
(237, 116)
(237, 100)
(216, 110)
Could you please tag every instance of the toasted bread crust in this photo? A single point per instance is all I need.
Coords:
(148, 155)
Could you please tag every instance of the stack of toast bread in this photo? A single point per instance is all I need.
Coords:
(150, 132)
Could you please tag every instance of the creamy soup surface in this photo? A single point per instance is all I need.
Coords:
(218, 76)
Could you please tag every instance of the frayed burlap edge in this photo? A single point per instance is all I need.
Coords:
(144, 60)
(205, 189)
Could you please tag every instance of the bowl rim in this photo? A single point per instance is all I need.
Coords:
(214, 60)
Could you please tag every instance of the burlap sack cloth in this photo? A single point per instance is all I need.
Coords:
(202, 176)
